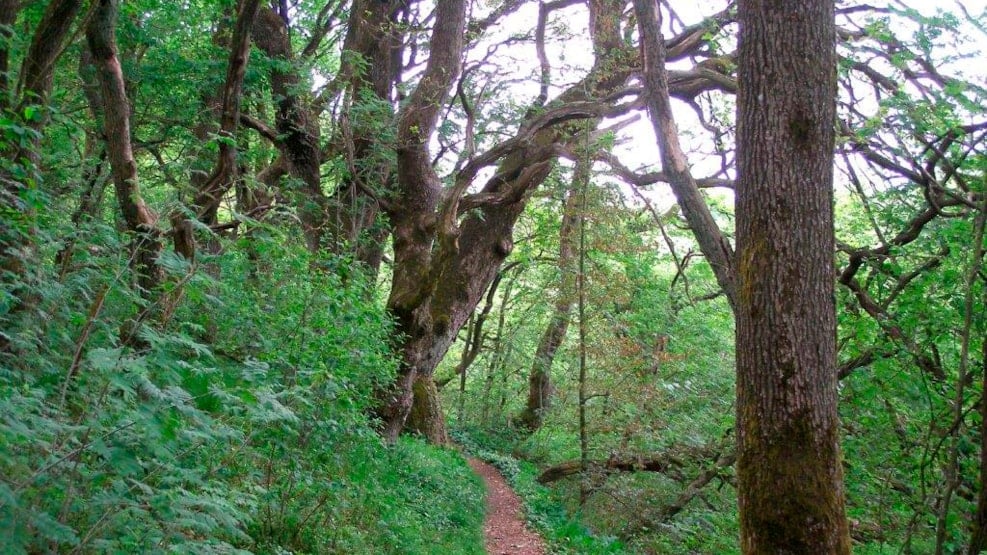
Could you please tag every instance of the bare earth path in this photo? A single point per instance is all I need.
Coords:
(504, 528)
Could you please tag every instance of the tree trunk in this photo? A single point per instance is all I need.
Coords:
(978, 540)
(433, 296)
(427, 333)
(540, 387)
(790, 478)
(140, 220)
(426, 417)
(298, 132)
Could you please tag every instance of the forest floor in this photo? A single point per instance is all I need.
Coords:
(504, 530)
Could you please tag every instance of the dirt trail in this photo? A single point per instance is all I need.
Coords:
(504, 528)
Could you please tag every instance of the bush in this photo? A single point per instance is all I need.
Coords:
(236, 423)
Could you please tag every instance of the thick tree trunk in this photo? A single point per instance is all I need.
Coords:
(426, 333)
(426, 416)
(432, 297)
(540, 389)
(371, 63)
(299, 133)
(140, 220)
(790, 478)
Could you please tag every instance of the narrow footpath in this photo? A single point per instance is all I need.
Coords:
(504, 529)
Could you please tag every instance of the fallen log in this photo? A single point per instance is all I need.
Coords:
(662, 463)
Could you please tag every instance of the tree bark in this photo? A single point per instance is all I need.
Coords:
(432, 296)
(790, 478)
(426, 418)
(540, 389)
(298, 131)
(140, 220)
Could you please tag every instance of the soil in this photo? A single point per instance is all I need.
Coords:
(504, 530)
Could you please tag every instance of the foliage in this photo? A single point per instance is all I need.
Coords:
(230, 410)
(256, 441)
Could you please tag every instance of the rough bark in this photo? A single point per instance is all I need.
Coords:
(432, 297)
(139, 219)
(790, 479)
(297, 130)
(426, 418)
(540, 387)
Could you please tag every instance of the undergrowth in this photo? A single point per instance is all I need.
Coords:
(231, 418)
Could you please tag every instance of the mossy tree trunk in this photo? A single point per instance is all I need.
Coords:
(426, 417)
(790, 479)
(540, 389)
(443, 266)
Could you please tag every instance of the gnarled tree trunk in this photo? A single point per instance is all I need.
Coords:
(297, 127)
(432, 297)
(413, 217)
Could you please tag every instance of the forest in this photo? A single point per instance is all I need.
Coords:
(695, 277)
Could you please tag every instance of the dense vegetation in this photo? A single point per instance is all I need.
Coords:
(245, 244)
